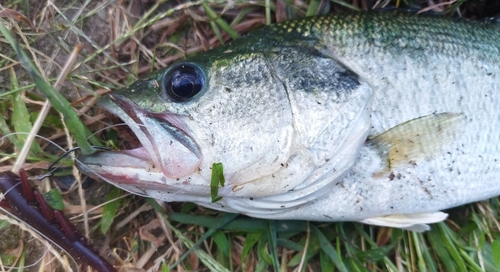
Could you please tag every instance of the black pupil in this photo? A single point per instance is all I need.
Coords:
(183, 82)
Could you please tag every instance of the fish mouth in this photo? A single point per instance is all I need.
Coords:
(167, 144)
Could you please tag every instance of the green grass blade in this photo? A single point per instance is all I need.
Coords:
(261, 266)
(241, 16)
(390, 265)
(450, 246)
(250, 240)
(222, 221)
(291, 244)
(54, 199)
(347, 5)
(268, 12)
(206, 259)
(220, 22)
(157, 207)
(326, 262)
(222, 242)
(7, 259)
(164, 267)
(374, 255)
(437, 244)
(110, 209)
(263, 251)
(472, 266)
(325, 246)
(75, 126)
(217, 33)
(495, 250)
(272, 237)
(21, 116)
(420, 260)
(240, 224)
(5, 130)
(312, 250)
(216, 180)
(21, 262)
(23, 88)
(313, 7)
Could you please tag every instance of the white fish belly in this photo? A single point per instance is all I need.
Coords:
(466, 170)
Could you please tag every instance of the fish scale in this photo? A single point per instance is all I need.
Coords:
(383, 118)
(455, 72)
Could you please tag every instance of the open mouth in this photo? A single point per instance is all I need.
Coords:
(166, 143)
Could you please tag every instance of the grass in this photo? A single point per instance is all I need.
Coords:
(118, 45)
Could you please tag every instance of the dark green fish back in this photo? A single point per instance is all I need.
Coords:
(388, 30)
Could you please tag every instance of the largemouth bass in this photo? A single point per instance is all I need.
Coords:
(382, 118)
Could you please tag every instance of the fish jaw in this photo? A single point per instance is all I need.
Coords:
(127, 170)
(166, 143)
(125, 166)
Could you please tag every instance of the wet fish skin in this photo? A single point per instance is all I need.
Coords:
(348, 97)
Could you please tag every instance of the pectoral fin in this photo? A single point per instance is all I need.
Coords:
(414, 222)
(418, 138)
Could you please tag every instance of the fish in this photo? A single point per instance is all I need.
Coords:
(384, 118)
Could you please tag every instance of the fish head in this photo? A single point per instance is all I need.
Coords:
(228, 109)
(270, 116)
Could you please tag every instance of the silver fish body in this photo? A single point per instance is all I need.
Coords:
(382, 118)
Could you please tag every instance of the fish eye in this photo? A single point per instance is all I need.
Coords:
(183, 82)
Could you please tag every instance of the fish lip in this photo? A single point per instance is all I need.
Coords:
(171, 127)
(125, 164)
